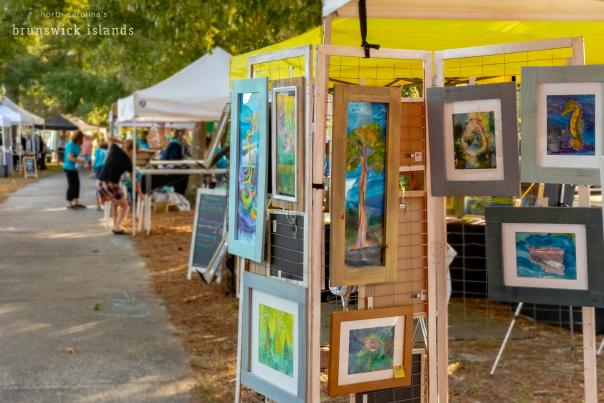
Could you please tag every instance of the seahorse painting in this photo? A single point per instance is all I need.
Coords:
(474, 140)
(249, 137)
(571, 124)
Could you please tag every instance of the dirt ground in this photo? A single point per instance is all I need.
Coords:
(10, 184)
(205, 316)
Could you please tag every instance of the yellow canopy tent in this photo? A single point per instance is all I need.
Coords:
(432, 34)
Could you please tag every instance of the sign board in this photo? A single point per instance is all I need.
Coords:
(209, 232)
(30, 170)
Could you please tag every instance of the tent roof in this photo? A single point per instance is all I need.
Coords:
(433, 34)
(83, 126)
(196, 93)
(9, 116)
(522, 10)
(25, 117)
(57, 123)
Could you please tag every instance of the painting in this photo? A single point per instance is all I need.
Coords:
(247, 171)
(545, 255)
(276, 339)
(364, 166)
(365, 182)
(273, 344)
(562, 109)
(288, 143)
(474, 140)
(370, 350)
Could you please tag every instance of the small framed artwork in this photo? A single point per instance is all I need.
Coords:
(247, 172)
(474, 140)
(545, 255)
(287, 123)
(273, 348)
(562, 123)
(364, 180)
(370, 350)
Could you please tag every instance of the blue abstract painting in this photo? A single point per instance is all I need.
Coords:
(571, 124)
(546, 255)
(365, 183)
(247, 176)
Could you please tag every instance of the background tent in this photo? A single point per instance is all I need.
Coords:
(196, 93)
(26, 118)
(57, 123)
(10, 117)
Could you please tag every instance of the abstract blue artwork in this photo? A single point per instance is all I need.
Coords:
(546, 255)
(571, 124)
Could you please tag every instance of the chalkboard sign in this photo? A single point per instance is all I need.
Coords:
(209, 230)
(287, 245)
(30, 170)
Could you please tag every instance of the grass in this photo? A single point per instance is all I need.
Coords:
(13, 183)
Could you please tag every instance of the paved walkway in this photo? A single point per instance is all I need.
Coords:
(78, 319)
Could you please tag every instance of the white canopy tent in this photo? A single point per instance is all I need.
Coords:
(25, 118)
(196, 93)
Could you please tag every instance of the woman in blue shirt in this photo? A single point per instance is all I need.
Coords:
(99, 160)
(72, 152)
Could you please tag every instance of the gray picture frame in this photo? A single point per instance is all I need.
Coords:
(437, 97)
(532, 77)
(288, 291)
(588, 216)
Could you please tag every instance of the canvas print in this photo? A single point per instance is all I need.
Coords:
(365, 183)
(571, 124)
(276, 339)
(474, 140)
(286, 132)
(546, 255)
(370, 349)
(247, 175)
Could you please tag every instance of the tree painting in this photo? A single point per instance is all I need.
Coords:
(286, 142)
(276, 339)
(365, 182)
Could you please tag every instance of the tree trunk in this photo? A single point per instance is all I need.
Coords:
(362, 227)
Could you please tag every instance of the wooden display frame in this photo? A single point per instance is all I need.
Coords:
(341, 274)
(337, 318)
(297, 201)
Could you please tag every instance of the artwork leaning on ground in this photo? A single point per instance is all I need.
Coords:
(364, 166)
(370, 350)
(247, 173)
(273, 358)
(544, 255)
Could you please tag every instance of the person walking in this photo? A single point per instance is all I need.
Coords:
(117, 162)
(72, 157)
(97, 165)
(87, 151)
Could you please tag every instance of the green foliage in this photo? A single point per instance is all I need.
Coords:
(84, 74)
(366, 146)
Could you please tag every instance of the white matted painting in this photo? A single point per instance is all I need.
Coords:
(539, 255)
(473, 140)
(274, 340)
(569, 124)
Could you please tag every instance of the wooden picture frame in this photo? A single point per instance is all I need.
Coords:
(290, 201)
(247, 206)
(548, 152)
(493, 171)
(29, 167)
(257, 370)
(525, 265)
(208, 231)
(395, 324)
(341, 271)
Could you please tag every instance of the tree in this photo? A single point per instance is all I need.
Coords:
(365, 148)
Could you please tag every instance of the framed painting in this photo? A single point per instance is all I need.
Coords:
(273, 348)
(474, 140)
(562, 123)
(545, 255)
(247, 171)
(370, 350)
(287, 123)
(364, 179)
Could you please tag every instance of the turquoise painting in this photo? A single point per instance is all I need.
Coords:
(546, 255)
(365, 183)
(247, 175)
(370, 349)
(571, 124)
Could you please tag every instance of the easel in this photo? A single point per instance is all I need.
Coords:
(589, 335)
